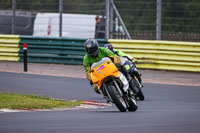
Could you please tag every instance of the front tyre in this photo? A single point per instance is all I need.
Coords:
(117, 99)
(137, 89)
(132, 104)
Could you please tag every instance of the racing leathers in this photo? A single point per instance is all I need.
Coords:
(88, 61)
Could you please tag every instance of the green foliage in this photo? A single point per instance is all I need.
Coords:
(181, 16)
(6, 4)
(177, 16)
(138, 15)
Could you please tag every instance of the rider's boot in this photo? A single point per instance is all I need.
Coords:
(96, 89)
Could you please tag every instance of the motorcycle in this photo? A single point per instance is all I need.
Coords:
(134, 77)
(113, 84)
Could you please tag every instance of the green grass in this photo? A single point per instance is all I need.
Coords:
(20, 101)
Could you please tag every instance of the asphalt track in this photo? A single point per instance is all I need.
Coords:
(167, 108)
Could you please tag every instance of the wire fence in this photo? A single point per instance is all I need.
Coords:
(180, 19)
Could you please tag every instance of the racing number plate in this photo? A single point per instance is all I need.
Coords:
(100, 68)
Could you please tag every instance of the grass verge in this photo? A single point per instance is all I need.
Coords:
(21, 101)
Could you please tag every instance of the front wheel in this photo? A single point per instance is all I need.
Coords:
(136, 88)
(117, 99)
(132, 104)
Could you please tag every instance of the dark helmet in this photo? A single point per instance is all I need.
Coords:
(92, 47)
(109, 46)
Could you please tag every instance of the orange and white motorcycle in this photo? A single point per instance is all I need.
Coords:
(113, 84)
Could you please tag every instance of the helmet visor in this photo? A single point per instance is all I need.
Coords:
(92, 50)
(93, 53)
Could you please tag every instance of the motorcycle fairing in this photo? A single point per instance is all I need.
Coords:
(124, 81)
(102, 69)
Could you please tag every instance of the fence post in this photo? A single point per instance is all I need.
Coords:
(60, 21)
(13, 16)
(158, 20)
(107, 19)
(111, 21)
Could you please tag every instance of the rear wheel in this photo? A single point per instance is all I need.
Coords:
(117, 99)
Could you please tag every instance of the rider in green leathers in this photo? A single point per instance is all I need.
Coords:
(95, 53)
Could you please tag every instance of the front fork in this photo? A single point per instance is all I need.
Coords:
(123, 96)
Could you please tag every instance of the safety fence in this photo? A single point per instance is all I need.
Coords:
(9, 47)
(180, 18)
(164, 55)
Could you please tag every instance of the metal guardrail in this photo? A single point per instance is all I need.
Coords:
(54, 49)
(9, 47)
(165, 55)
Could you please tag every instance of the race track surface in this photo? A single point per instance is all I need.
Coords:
(167, 108)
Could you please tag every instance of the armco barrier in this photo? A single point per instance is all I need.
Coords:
(166, 55)
(54, 49)
(9, 47)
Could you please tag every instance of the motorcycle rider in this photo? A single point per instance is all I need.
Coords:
(93, 54)
(129, 57)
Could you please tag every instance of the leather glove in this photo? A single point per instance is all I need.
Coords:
(117, 60)
(135, 61)
(88, 76)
